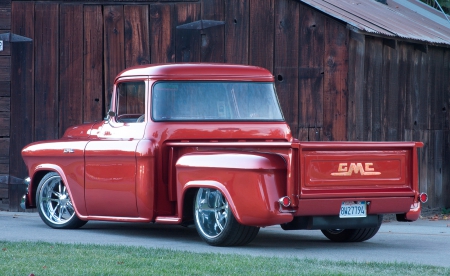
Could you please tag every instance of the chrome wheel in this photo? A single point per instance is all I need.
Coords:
(54, 203)
(211, 212)
(215, 222)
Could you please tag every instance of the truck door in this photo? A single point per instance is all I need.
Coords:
(110, 175)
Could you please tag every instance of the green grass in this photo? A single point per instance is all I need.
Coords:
(39, 258)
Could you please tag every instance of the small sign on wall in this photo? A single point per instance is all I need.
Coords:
(1, 45)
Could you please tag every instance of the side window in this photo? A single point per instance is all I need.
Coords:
(130, 105)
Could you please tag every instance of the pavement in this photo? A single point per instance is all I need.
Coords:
(421, 242)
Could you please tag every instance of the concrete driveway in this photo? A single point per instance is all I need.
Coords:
(420, 242)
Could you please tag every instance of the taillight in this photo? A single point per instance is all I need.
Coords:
(285, 201)
(423, 197)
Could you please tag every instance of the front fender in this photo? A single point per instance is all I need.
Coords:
(75, 191)
(64, 156)
(251, 182)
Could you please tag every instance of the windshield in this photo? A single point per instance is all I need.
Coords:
(215, 101)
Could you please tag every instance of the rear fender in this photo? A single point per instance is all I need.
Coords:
(251, 182)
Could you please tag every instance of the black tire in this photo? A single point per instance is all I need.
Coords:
(216, 224)
(55, 205)
(350, 235)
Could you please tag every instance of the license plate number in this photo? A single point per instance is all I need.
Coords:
(353, 209)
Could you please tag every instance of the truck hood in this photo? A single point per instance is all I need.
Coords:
(79, 131)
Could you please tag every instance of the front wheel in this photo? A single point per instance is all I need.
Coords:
(216, 224)
(350, 235)
(54, 204)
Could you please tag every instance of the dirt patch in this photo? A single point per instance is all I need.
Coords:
(433, 214)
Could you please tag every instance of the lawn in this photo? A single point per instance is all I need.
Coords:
(39, 258)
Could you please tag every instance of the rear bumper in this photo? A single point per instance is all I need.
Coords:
(332, 222)
(412, 215)
(376, 206)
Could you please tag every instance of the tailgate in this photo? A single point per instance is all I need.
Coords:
(358, 169)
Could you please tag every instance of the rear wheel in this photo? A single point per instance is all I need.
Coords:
(54, 204)
(216, 224)
(350, 235)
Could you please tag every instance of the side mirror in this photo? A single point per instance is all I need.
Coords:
(110, 114)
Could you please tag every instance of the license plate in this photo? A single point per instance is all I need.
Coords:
(353, 209)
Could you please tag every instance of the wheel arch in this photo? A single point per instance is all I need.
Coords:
(190, 192)
(40, 173)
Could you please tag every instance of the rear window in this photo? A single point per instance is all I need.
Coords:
(215, 101)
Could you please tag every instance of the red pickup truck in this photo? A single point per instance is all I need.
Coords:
(206, 144)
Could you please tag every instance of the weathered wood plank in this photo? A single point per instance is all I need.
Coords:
(286, 59)
(406, 66)
(213, 10)
(114, 48)
(335, 82)
(4, 204)
(212, 39)
(439, 100)
(4, 123)
(302, 134)
(413, 115)
(162, 33)
(430, 90)
(5, 68)
(188, 42)
(71, 67)
(406, 54)
(22, 92)
(446, 172)
(137, 40)
(434, 112)
(5, 88)
(5, 104)
(5, 15)
(389, 94)
(373, 71)
(315, 134)
(237, 14)
(4, 150)
(3, 191)
(430, 166)
(309, 134)
(46, 70)
(420, 86)
(356, 87)
(261, 44)
(311, 67)
(438, 168)
(94, 102)
(446, 91)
